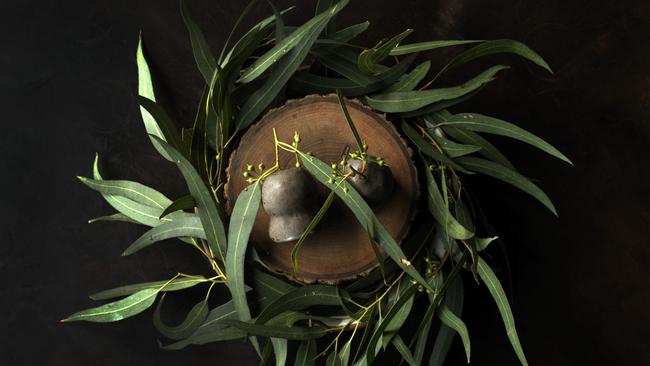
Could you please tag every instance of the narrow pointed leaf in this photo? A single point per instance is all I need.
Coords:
(493, 47)
(369, 58)
(207, 209)
(213, 335)
(282, 71)
(509, 176)
(334, 61)
(482, 243)
(412, 100)
(192, 321)
(182, 203)
(404, 350)
(118, 310)
(481, 123)
(131, 190)
(441, 213)
(174, 285)
(454, 299)
(306, 353)
(429, 150)
(202, 54)
(189, 227)
(241, 224)
(454, 322)
(298, 299)
(162, 119)
(425, 46)
(451, 148)
(363, 213)
(279, 351)
(277, 331)
(348, 33)
(281, 49)
(409, 81)
(440, 105)
(495, 288)
(114, 217)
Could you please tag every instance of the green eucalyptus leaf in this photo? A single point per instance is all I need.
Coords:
(267, 288)
(294, 40)
(482, 243)
(495, 288)
(426, 46)
(440, 105)
(363, 213)
(132, 190)
(451, 148)
(429, 149)
(403, 349)
(454, 322)
(349, 33)
(187, 227)
(454, 298)
(207, 209)
(213, 335)
(369, 58)
(277, 331)
(298, 299)
(493, 47)
(182, 203)
(118, 216)
(440, 212)
(481, 123)
(321, 6)
(487, 149)
(509, 176)
(334, 61)
(333, 359)
(192, 321)
(145, 89)
(241, 224)
(202, 54)
(280, 29)
(409, 81)
(279, 350)
(118, 310)
(306, 353)
(395, 102)
(283, 70)
(307, 83)
(173, 285)
(163, 121)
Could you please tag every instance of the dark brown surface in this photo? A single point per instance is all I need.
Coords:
(579, 283)
(339, 249)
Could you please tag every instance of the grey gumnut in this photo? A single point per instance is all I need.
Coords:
(377, 184)
(289, 198)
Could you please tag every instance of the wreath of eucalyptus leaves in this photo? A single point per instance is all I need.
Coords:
(355, 321)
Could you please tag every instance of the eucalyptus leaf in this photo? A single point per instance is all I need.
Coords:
(429, 149)
(118, 310)
(241, 224)
(482, 243)
(426, 46)
(454, 322)
(202, 54)
(207, 209)
(283, 70)
(451, 148)
(349, 33)
(496, 290)
(481, 123)
(118, 216)
(128, 189)
(369, 58)
(493, 47)
(277, 331)
(306, 353)
(192, 321)
(173, 285)
(403, 349)
(334, 61)
(363, 213)
(298, 299)
(409, 81)
(438, 209)
(291, 41)
(163, 121)
(187, 227)
(182, 203)
(279, 350)
(509, 176)
(487, 149)
(395, 102)
(454, 299)
(267, 288)
(440, 105)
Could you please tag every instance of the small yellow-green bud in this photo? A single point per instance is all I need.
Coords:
(250, 167)
(261, 166)
(245, 174)
(296, 137)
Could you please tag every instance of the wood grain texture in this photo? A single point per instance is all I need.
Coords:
(339, 249)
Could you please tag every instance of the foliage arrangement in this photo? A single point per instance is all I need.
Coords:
(351, 323)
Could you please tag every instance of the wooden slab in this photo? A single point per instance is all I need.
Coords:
(339, 249)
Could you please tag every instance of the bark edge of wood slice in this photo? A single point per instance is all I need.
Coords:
(339, 249)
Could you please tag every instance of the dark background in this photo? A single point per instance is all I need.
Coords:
(579, 283)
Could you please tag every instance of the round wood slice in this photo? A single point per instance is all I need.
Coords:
(339, 248)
